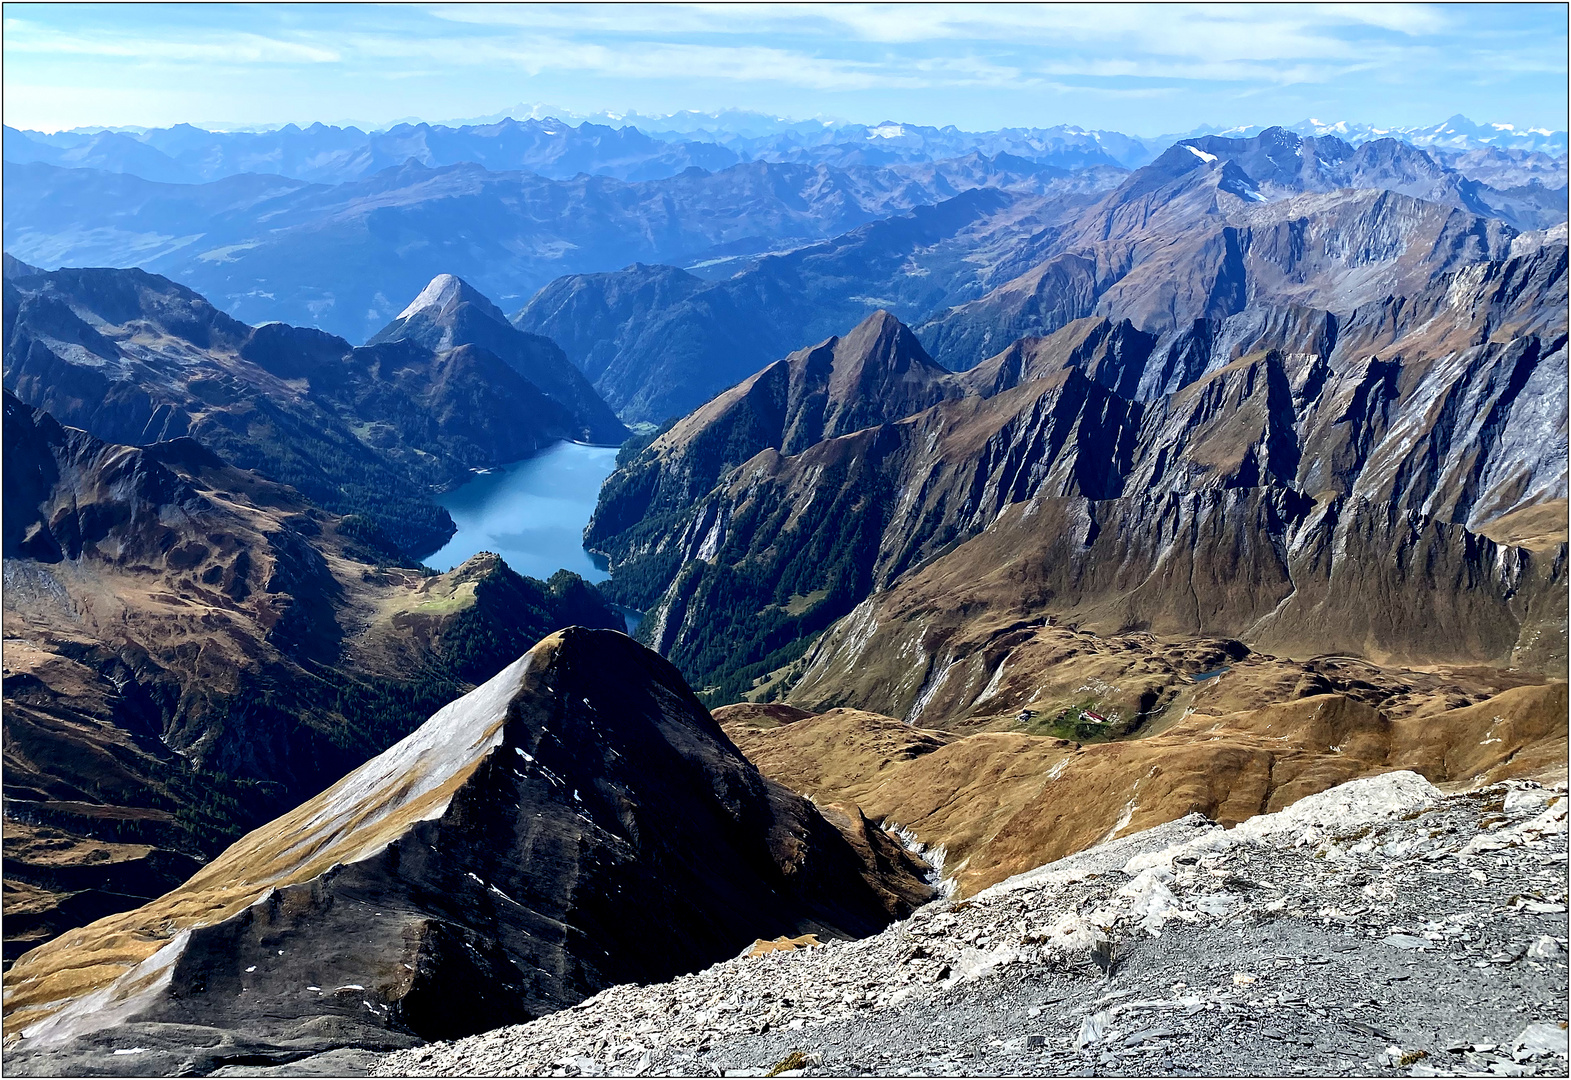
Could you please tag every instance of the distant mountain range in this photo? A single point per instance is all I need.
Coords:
(978, 271)
(341, 256)
(636, 147)
(345, 257)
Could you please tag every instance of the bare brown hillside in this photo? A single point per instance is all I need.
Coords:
(1253, 739)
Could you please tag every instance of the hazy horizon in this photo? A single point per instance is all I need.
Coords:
(643, 121)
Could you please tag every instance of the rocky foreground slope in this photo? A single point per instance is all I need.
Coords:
(577, 821)
(1380, 928)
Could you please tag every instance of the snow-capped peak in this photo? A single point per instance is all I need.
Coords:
(446, 292)
(442, 291)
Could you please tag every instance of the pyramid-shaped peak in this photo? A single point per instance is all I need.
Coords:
(880, 325)
(444, 294)
(583, 785)
(883, 336)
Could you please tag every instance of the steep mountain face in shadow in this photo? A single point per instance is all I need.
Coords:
(191, 649)
(577, 821)
(1303, 480)
(135, 359)
(876, 374)
(342, 257)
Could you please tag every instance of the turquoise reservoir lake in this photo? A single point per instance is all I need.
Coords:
(532, 512)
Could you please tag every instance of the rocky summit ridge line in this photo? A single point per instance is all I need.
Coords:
(550, 833)
(449, 313)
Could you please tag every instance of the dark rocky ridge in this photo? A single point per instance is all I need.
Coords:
(191, 649)
(876, 374)
(135, 359)
(578, 821)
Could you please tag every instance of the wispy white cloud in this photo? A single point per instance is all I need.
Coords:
(227, 47)
(1221, 48)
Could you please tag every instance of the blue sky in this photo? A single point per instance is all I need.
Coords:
(1141, 69)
